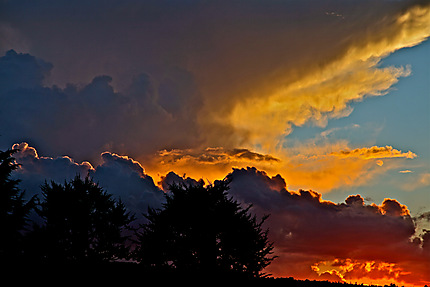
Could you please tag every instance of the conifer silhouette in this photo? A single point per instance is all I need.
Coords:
(14, 210)
(201, 230)
(83, 223)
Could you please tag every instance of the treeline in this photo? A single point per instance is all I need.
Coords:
(291, 282)
(84, 235)
(198, 230)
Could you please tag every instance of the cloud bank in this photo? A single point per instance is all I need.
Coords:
(314, 238)
(215, 79)
(84, 121)
(350, 241)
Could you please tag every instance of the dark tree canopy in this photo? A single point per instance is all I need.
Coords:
(14, 210)
(201, 229)
(83, 223)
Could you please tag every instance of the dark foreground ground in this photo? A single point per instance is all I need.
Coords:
(128, 274)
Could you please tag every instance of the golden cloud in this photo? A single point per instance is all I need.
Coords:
(214, 156)
(374, 152)
(209, 163)
(321, 168)
(318, 91)
(257, 92)
(368, 272)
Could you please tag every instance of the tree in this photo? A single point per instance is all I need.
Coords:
(83, 223)
(14, 210)
(200, 229)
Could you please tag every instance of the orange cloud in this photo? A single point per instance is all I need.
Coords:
(367, 272)
(261, 115)
(209, 163)
(329, 166)
(319, 167)
(374, 152)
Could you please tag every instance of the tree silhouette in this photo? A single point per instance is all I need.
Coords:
(202, 230)
(14, 210)
(83, 223)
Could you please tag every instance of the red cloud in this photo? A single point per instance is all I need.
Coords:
(308, 230)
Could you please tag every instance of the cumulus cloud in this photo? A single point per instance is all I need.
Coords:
(121, 176)
(126, 178)
(172, 178)
(22, 71)
(84, 121)
(309, 231)
(35, 169)
(314, 238)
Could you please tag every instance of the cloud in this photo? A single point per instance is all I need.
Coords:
(22, 71)
(126, 178)
(215, 155)
(315, 238)
(309, 231)
(35, 169)
(192, 90)
(374, 152)
(209, 163)
(325, 165)
(323, 89)
(366, 271)
(233, 76)
(236, 77)
(121, 176)
(84, 121)
(172, 178)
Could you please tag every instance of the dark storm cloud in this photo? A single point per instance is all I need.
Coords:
(220, 57)
(22, 72)
(82, 120)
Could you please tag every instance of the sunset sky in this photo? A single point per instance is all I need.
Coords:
(319, 111)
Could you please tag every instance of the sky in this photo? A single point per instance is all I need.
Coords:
(319, 112)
